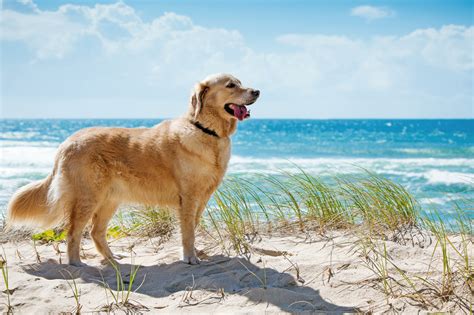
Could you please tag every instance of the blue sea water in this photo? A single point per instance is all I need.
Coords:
(433, 159)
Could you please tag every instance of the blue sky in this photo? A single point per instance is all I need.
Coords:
(310, 59)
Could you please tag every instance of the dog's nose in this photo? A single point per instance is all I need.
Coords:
(255, 93)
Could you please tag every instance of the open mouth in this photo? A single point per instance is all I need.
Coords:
(238, 111)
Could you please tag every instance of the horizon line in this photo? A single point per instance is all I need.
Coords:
(263, 118)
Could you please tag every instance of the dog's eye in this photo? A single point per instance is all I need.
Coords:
(230, 85)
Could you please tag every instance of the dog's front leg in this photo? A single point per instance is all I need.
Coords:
(187, 218)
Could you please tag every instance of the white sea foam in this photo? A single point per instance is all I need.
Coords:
(11, 184)
(418, 151)
(19, 134)
(433, 201)
(431, 170)
(24, 171)
(446, 177)
(26, 156)
(403, 173)
(351, 162)
(22, 164)
(12, 143)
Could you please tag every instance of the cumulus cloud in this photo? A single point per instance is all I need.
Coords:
(382, 62)
(30, 4)
(171, 50)
(370, 13)
(54, 33)
(176, 39)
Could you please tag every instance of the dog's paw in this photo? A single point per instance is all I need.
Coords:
(112, 260)
(77, 263)
(192, 260)
(118, 256)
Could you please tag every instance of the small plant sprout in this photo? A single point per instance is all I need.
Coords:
(124, 287)
(4, 268)
(74, 289)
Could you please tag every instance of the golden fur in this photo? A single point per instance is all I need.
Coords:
(173, 164)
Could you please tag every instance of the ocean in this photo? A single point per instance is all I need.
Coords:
(433, 159)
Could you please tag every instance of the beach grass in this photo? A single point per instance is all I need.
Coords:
(380, 203)
(241, 208)
(455, 256)
(144, 222)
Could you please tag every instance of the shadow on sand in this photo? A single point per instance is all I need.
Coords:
(233, 275)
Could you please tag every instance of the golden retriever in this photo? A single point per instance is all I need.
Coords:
(177, 164)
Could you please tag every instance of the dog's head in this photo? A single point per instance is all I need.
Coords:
(222, 95)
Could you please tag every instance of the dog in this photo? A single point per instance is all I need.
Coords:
(176, 164)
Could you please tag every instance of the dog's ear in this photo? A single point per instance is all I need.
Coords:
(197, 99)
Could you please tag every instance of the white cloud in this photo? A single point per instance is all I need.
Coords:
(448, 47)
(30, 4)
(54, 33)
(382, 62)
(171, 52)
(370, 13)
(173, 38)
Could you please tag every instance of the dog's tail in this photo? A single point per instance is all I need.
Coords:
(29, 206)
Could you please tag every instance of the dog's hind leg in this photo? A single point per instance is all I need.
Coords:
(100, 219)
(79, 217)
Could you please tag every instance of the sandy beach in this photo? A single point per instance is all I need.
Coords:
(284, 274)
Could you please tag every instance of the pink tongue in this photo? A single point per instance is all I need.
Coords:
(240, 112)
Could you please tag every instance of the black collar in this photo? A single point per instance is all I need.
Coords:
(204, 129)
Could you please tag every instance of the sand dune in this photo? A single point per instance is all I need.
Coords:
(283, 274)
